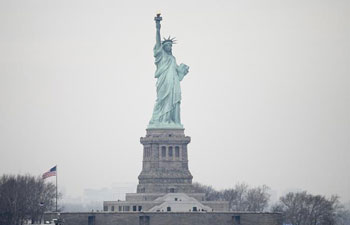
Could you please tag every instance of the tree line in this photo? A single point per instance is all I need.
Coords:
(24, 198)
(297, 208)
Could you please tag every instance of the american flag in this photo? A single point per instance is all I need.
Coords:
(50, 173)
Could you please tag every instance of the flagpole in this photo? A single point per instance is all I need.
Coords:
(56, 187)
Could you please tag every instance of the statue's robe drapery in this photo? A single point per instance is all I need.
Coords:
(166, 111)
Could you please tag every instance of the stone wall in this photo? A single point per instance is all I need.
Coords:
(169, 218)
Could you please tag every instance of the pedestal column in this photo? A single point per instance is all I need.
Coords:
(165, 162)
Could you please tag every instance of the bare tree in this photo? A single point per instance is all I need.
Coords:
(305, 209)
(240, 198)
(342, 216)
(210, 193)
(257, 199)
(237, 197)
(24, 198)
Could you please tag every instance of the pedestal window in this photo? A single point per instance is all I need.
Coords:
(163, 151)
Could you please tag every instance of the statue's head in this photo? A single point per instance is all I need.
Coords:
(168, 44)
(167, 47)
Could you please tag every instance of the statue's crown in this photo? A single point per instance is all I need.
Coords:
(169, 39)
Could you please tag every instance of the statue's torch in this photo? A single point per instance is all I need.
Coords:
(158, 18)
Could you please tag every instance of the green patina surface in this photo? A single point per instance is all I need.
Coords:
(166, 112)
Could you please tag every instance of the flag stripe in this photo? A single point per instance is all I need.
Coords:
(50, 173)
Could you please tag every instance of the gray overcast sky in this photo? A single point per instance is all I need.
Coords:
(267, 99)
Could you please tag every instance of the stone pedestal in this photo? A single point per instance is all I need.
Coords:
(165, 162)
(165, 182)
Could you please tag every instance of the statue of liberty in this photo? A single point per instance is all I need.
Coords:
(166, 112)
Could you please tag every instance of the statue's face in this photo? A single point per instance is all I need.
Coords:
(167, 47)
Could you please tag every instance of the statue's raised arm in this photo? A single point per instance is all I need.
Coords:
(166, 112)
(158, 18)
